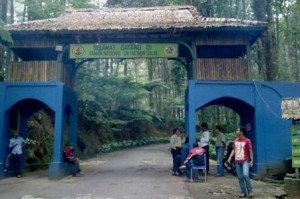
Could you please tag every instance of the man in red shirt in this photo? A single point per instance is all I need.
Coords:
(242, 149)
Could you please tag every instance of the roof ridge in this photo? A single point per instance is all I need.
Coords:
(131, 8)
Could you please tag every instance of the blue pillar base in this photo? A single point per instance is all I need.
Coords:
(2, 175)
(259, 171)
(58, 170)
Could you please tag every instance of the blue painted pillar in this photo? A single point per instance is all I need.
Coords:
(191, 113)
(73, 125)
(56, 170)
(260, 140)
(186, 115)
(3, 132)
(58, 135)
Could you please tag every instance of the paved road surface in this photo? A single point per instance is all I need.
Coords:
(140, 173)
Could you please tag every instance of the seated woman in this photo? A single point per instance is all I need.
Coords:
(72, 159)
(194, 158)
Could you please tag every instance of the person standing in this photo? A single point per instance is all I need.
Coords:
(242, 149)
(220, 148)
(176, 144)
(204, 143)
(179, 159)
(16, 144)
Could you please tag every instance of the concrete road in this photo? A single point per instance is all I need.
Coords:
(139, 173)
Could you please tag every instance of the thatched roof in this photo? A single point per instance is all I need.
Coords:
(291, 108)
(157, 18)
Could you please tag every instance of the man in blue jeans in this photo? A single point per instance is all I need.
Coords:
(220, 147)
(242, 149)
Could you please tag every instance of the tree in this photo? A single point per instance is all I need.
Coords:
(5, 38)
(4, 34)
(267, 47)
(3, 10)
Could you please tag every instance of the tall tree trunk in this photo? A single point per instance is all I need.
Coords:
(3, 15)
(3, 10)
(231, 10)
(263, 12)
(244, 6)
(210, 8)
(150, 78)
(272, 53)
(125, 68)
(237, 8)
(11, 9)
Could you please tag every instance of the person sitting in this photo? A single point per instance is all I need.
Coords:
(72, 159)
(195, 158)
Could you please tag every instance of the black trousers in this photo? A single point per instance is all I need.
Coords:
(16, 160)
(207, 156)
(175, 152)
(76, 168)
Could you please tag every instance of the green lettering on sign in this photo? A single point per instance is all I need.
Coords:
(296, 162)
(295, 140)
(295, 130)
(296, 151)
(123, 50)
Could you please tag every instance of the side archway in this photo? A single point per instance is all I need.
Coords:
(21, 100)
(259, 107)
(246, 113)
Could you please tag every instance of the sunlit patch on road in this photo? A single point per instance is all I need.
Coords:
(32, 197)
(91, 162)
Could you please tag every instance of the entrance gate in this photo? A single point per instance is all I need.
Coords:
(210, 49)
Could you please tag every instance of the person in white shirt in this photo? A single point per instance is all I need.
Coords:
(16, 144)
(204, 143)
(176, 144)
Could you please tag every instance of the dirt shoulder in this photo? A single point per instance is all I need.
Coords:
(227, 187)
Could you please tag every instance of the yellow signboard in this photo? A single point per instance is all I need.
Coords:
(124, 50)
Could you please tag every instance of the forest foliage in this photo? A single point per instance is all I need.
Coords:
(132, 99)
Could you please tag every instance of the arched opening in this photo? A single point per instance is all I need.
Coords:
(117, 90)
(245, 116)
(35, 122)
(21, 117)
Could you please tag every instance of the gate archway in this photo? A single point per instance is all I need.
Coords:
(213, 49)
(259, 106)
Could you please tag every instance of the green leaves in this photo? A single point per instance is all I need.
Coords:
(4, 34)
(82, 4)
(114, 146)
